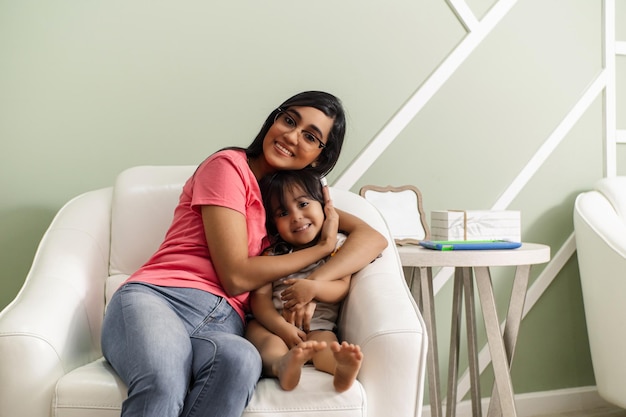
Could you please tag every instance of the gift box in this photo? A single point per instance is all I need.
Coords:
(476, 225)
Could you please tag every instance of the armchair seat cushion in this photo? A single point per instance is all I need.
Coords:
(95, 390)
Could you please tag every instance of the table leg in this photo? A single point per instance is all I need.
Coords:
(499, 359)
(472, 349)
(428, 310)
(513, 321)
(455, 335)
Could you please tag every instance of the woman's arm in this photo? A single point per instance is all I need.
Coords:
(361, 247)
(227, 239)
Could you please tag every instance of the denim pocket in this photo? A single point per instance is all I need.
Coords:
(222, 318)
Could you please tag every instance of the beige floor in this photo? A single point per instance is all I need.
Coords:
(600, 412)
(607, 411)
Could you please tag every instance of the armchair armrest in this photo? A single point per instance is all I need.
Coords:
(381, 316)
(53, 325)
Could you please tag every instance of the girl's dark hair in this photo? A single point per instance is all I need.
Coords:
(274, 187)
(326, 103)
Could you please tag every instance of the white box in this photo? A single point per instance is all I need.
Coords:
(476, 225)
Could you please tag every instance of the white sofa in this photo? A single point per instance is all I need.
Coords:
(600, 225)
(50, 358)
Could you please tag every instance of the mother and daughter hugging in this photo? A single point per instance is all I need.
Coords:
(178, 332)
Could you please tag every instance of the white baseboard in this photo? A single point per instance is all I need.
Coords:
(540, 403)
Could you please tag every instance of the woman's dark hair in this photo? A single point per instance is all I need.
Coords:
(326, 103)
(274, 187)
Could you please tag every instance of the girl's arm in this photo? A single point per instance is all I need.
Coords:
(302, 291)
(265, 313)
(301, 296)
(227, 239)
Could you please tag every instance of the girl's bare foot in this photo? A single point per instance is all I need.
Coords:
(289, 367)
(349, 358)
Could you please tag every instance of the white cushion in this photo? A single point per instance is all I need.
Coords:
(95, 390)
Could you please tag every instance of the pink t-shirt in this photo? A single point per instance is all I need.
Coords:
(183, 259)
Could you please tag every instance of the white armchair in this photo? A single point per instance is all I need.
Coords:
(600, 225)
(50, 358)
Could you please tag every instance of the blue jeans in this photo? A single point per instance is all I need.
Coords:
(180, 351)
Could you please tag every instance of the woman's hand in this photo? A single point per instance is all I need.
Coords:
(300, 317)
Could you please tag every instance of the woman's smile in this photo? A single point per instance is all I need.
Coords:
(282, 149)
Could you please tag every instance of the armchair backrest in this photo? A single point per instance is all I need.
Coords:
(144, 198)
(614, 190)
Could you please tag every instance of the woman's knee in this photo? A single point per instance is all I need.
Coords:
(230, 355)
(156, 394)
(248, 356)
(244, 365)
(238, 350)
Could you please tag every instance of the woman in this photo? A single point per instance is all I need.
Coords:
(174, 330)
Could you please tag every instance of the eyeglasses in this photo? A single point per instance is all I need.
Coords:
(288, 123)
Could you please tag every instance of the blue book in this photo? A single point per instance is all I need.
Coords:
(469, 244)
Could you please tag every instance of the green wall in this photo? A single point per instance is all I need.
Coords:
(89, 88)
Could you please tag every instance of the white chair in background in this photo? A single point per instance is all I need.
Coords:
(600, 225)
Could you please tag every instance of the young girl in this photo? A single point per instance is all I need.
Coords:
(294, 206)
(174, 330)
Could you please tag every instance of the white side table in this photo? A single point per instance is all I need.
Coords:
(501, 344)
